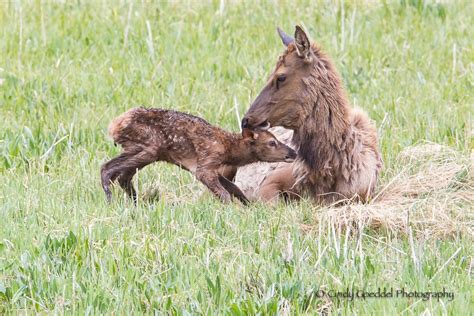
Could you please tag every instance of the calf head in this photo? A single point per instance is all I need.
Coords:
(264, 146)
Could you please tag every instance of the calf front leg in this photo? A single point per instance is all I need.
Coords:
(228, 172)
(210, 178)
(233, 190)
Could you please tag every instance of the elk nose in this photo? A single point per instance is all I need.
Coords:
(245, 122)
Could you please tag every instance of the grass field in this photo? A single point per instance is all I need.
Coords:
(66, 69)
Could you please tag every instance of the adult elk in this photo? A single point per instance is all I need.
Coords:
(338, 158)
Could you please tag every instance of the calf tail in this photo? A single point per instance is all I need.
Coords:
(119, 124)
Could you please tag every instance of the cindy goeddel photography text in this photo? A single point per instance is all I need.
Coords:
(386, 293)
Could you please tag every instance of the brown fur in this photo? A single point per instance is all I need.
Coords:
(210, 153)
(337, 149)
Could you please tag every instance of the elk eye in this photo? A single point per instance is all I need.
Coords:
(272, 143)
(279, 80)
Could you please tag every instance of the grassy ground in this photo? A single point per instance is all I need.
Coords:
(67, 69)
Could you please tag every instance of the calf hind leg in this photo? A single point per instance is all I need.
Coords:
(110, 171)
(125, 181)
(124, 168)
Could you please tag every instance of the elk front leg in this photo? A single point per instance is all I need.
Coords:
(210, 178)
(278, 182)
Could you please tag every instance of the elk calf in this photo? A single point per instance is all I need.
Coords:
(210, 153)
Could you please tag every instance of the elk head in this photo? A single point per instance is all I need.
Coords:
(282, 101)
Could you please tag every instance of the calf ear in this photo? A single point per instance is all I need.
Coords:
(248, 133)
(303, 46)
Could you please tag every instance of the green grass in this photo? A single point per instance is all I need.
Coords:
(67, 70)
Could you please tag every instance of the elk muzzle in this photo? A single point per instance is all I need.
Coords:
(249, 123)
(259, 112)
(291, 156)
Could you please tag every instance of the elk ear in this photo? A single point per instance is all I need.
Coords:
(303, 46)
(285, 38)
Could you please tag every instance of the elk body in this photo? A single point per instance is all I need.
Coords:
(210, 153)
(338, 155)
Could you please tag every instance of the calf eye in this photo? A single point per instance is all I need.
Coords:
(272, 143)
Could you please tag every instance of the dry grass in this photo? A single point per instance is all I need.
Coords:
(433, 194)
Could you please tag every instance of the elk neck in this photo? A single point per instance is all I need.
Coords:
(325, 129)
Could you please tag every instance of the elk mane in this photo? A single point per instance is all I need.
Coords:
(324, 133)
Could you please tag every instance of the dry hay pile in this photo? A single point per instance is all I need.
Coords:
(433, 194)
